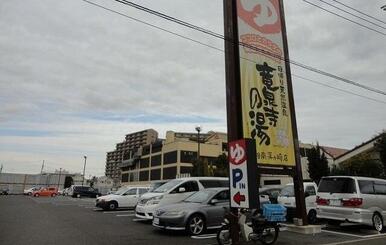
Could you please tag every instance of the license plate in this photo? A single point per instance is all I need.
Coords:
(335, 202)
(156, 221)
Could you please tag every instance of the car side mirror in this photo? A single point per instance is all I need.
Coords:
(181, 189)
(213, 202)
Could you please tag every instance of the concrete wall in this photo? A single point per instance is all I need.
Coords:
(16, 183)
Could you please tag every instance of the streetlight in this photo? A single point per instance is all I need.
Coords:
(84, 167)
(198, 129)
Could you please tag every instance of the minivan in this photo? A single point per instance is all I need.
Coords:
(174, 191)
(352, 199)
(287, 199)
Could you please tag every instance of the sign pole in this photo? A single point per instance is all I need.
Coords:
(298, 176)
(233, 92)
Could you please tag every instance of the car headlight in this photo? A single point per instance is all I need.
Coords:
(174, 213)
(154, 200)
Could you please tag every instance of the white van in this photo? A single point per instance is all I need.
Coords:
(175, 191)
(287, 199)
(352, 199)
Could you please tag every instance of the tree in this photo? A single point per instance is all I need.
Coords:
(380, 147)
(363, 165)
(317, 164)
(222, 166)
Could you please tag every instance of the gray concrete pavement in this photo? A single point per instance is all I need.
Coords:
(64, 220)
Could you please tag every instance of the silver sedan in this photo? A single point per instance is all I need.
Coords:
(200, 211)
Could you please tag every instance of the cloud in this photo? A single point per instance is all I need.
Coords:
(75, 78)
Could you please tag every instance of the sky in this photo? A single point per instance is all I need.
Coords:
(76, 78)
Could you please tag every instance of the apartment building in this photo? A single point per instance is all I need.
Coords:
(125, 149)
(171, 157)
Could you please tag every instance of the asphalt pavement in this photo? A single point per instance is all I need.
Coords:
(70, 221)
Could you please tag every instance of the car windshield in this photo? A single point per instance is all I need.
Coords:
(337, 185)
(288, 191)
(200, 196)
(121, 191)
(169, 185)
(155, 185)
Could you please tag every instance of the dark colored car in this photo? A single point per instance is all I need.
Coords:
(4, 191)
(85, 191)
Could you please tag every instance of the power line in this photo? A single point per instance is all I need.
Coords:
(345, 18)
(347, 6)
(265, 52)
(204, 44)
(218, 49)
(347, 12)
(339, 89)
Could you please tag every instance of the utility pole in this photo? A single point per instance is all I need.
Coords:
(60, 173)
(41, 171)
(198, 129)
(84, 168)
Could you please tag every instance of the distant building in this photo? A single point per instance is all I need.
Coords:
(125, 149)
(171, 157)
(331, 154)
(364, 148)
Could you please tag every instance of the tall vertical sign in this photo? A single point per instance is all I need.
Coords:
(266, 109)
(259, 88)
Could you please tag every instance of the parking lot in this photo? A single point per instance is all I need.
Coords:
(65, 220)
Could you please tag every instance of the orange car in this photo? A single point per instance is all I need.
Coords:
(46, 191)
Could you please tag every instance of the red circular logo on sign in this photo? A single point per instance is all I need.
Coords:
(263, 15)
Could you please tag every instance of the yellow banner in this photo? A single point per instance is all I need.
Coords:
(265, 104)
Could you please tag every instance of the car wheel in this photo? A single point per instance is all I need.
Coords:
(78, 195)
(378, 222)
(113, 206)
(312, 219)
(195, 225)
(36, 195)
(29, 193)
(53, 194)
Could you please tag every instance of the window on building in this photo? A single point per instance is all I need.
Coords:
(186, 170)
(144, 175)
(125, 177)
(170, 157)
(144, 162)
(169, 173)
(156, 160)
(188, 156)
(156, 148)
(146, 150)
(155, 174)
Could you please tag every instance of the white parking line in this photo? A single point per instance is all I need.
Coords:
(205, 236)
(114, 212)
(124, 215)
(357, 240)
(353, 235)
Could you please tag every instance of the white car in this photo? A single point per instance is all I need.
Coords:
(287, 199)
(30, 190)
(126, 197)
(175, 191)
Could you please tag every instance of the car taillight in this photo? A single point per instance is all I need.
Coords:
(321, 201)
(352, 202)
